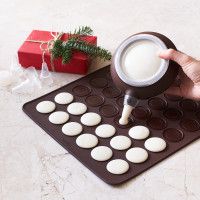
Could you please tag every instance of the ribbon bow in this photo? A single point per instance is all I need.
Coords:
(49, 46)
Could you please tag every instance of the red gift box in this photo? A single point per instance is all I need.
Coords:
(30, 54)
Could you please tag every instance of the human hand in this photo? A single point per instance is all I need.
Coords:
(189, 75)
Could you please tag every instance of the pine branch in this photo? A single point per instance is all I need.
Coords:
(90, 49)
(66, 55)
(64, 49)
(57, 49)
(83, 30)
(80, 32)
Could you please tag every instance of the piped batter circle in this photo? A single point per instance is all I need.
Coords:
(108, 110)
(111, 92)
(141, 113)
(155, 144)
(157, 123)
(173, 135)
(98, 82)
(120, 142)
(139, 132)
(190, 125)
(172, 114)
(72, 128)
(157, 103)
(45, 107)
(58, 117)
(90, 119)
(94, 100)
(86, 141)
(117, 166)
(105, 130)
(81, 90)
(101, 153)
(64, 98)
(77, 108)
(188, 105)
(136, 155)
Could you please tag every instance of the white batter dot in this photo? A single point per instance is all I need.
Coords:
(101, 153)
(136, 155)
(90, 119)
(77, 108)
(155, 144)
(105, 130)
(72, 128)
(58, 117)
(139, 132)
(63, 98)
(120, 142)
(117, 166)
(87, 141)
(45, 107)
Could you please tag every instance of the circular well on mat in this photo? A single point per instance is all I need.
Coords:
(111, 92)
(172, 97)
(198, 115)
(94, 100)
(173, 114)
(173, 135)
(188, 105)
(189, 124)
(120, 101)
(98, 82)
(81, 90)
(157, 123)
(108, 110)
(157, 103)
(141, 113)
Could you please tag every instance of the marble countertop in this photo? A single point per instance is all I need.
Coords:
(33, 165)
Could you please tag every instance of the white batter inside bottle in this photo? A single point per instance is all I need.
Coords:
(140, 62)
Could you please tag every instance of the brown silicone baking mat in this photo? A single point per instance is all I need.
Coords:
(174, 119)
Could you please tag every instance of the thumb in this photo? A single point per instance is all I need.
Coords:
(181, 58)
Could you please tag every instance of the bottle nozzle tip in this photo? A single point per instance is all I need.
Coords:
(123, 121)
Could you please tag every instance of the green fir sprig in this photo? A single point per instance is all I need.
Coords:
(65, 49)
